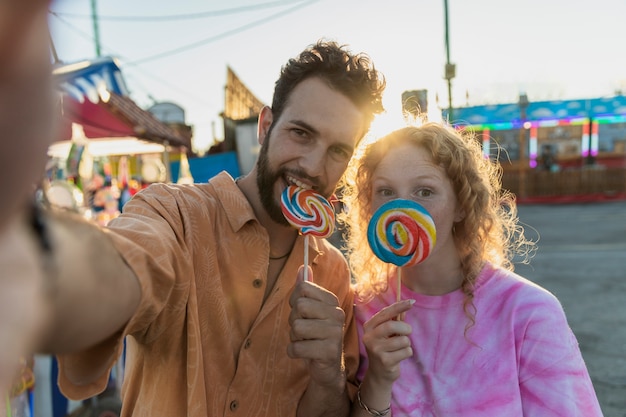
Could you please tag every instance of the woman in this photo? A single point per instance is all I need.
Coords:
(475, 338)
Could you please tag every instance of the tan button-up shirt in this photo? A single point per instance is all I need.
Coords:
(202, 342)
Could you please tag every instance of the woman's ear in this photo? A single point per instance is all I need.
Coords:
(265, 121)
(459, 216)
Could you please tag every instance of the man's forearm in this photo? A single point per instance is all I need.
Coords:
(325, 401)
(92, 291)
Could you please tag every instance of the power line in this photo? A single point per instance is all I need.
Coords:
(162, 81)
(123, 61)
(136, 63)
(221, 35)
(190, 16)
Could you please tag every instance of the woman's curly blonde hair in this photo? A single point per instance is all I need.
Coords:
(488, 232)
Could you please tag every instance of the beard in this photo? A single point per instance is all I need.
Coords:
(266, 180)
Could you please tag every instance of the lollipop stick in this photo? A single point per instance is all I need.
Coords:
(398, 294)
(306, 258)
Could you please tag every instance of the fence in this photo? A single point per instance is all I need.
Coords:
(591, 182)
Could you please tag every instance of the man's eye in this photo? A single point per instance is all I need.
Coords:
(303, 134)
(340, 153)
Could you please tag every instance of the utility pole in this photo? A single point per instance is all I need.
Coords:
(96, 31)
(450, 69)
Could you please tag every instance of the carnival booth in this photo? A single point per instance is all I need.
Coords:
(554, 150)
(108, 148)
(573, 133)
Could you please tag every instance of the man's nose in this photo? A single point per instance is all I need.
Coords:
(314, 162)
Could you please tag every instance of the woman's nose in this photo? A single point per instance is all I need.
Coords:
(404, 195)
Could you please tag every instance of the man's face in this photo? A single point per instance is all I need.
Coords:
(309, 145)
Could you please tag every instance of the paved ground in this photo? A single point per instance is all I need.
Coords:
(581, 258)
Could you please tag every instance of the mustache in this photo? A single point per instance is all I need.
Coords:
(297, 173)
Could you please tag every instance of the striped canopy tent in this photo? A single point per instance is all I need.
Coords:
(94, 95)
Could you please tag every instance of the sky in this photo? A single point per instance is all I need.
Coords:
(179, 51)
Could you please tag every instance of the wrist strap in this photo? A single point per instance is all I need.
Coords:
(38, 224)
(371, 411)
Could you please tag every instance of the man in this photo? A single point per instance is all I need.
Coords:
(205, 280)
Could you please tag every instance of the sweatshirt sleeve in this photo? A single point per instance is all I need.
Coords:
(554, 380)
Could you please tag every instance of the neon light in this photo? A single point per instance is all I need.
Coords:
(618, 118)
(533, 148)
(486, 143)
(562, 122)
(493, 126)
(594, 138)
(533, 123)
(584, 141)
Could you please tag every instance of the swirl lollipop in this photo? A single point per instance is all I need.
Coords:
(310, 213)
(403, 233)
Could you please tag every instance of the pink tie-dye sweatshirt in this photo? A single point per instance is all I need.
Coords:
(520, 358)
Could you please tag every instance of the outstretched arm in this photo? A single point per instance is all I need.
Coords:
(92, 291)
(80, 291)
(77, 293)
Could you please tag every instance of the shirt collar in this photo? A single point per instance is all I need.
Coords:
(236, 206)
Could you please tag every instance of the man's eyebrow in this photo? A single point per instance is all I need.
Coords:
(304, 125)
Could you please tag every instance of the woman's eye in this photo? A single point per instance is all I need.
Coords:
(424, 193)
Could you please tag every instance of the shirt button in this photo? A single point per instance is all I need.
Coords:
(247, 344)
(257, 283)
(234, 405)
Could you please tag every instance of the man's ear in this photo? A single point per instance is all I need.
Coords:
(265, 121)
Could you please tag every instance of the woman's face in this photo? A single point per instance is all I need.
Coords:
(408, 172)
